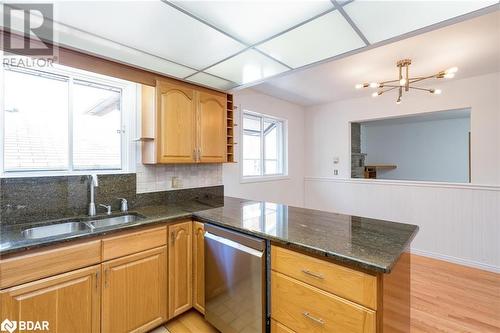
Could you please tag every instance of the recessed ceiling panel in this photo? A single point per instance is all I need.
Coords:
(381, 20)
(151, 26)
(211, 81)
(322, 38)
(247, 67)
(254, 21)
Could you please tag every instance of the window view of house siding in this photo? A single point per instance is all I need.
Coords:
(36, 121)
(58, 122)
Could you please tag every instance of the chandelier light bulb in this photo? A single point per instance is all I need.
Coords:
(358, 86)
(398, 101)
(376, 94)
(374, 85)
(402, 82)
(437, 91)
(449, 75)
(451, 70)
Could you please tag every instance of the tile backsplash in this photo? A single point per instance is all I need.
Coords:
(155, 178)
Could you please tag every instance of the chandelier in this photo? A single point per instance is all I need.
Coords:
(404, 83)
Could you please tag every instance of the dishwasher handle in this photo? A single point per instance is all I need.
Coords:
(233, 244)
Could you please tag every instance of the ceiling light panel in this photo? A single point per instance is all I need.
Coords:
(211, 81)
(247, 67)
(323, 37)
(381, 20)
(151, 26)
(254, 21)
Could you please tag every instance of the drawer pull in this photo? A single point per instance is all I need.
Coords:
(316, 275)
(317, 320)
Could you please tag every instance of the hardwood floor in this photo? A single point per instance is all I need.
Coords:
(445, 298)
(190, 322)
(451, 298)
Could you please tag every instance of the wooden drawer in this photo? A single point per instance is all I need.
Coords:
(279, 328)
(306, 309)
(43, 263)
(350, 284)
(133, 242)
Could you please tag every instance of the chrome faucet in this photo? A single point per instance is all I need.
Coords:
(108, 208)
(93, 181)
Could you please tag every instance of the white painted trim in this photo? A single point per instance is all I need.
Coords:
(455, 260)
(405, 183)
(258, 179)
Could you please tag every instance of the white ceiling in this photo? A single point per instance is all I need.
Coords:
(228, 44)
(472, 45)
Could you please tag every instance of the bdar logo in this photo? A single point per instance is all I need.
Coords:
(9, 326)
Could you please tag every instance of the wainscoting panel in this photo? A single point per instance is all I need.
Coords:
(458, 223)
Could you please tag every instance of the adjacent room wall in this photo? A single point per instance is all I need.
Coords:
(287, 191)
(431, 150)
(459, 223)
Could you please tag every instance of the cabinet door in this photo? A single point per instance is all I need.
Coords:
(69, 302)
(212, 128)
(180, 278)
(176, 125)
(198, 266)
(134, 292)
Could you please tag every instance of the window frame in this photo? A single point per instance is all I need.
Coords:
(283, 147)
(128, 112)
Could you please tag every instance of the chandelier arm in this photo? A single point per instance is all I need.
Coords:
(423, 89)
(384, 91)
(384, 82)
(390, 86)
(418, 79)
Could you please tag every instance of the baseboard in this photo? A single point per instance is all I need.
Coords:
(455, 260)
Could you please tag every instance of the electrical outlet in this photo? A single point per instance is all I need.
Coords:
(335, 172)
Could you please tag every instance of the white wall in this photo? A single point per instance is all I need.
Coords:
(457, 222)
(287, 191)
(433, 150)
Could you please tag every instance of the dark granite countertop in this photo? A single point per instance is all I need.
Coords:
(366, 243)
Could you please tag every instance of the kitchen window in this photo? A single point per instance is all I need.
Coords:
(64, 121)
(264, 147)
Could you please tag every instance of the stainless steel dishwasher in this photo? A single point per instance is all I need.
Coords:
(235, 281)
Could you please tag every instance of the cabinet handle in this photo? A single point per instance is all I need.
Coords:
(195, 155)
(172, 237)
(96, 280)
(106, 273)
(316, 275)
(317, 320)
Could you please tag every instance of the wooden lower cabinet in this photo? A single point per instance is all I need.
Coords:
(199, 266)
(180, 268)
(134, 292)
(279, 328)
(69, 302)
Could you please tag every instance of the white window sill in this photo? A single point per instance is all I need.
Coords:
(22, 174)
(259, 179)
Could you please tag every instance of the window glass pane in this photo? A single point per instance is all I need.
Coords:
(272, 147)
(96, 126)
(251, 123)
(251, 155)
(36, 121)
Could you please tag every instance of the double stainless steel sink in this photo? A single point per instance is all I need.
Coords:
(77, 227)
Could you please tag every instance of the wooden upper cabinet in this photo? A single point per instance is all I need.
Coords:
(211, 128)
(180, 272)
(176, 123)
(199, 266)
(134, 292)
(69, 302)
(184, 124)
